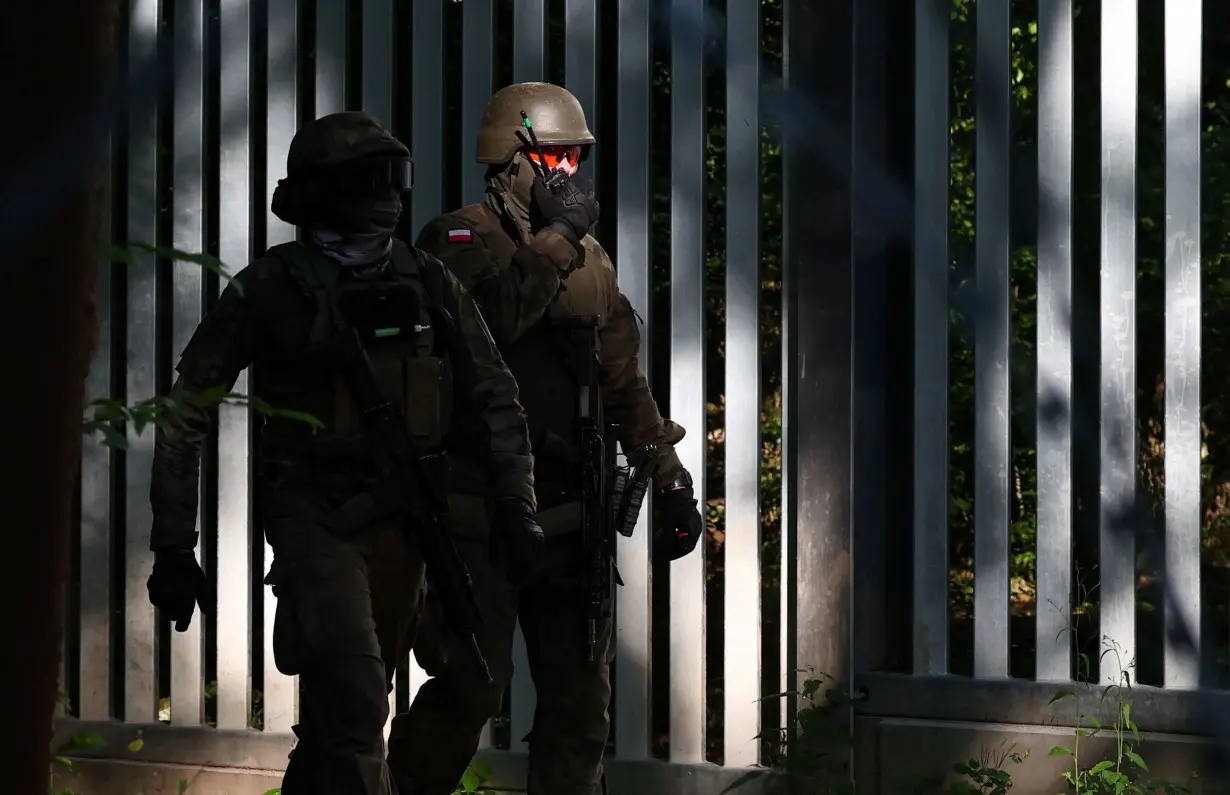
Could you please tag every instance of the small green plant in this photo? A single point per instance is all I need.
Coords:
(60, 760)
(986, 775)
(815, 752)
(1121, 774)
(474, 781)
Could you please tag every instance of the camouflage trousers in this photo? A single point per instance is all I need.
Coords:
(431, 744)
(346, 612)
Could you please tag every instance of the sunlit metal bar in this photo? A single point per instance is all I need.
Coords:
(1183, 30)
(742, 688)
(1117, 565)
(140, 658)
(1054, 415)
(188, 297)
(233, 597)
(282, 122)
(687, 369)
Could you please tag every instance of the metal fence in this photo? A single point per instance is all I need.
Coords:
(850, 315)
(195, 170)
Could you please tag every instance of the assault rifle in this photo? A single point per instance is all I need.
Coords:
(412, 486)
(611, 495)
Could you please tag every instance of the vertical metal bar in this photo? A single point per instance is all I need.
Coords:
(140, 661)
(1054, 419)
(687, 395)
(817, 277)
(581, 71)
(477, 73)
(378, 65)
(478, 37)
(991, 350)
(530, 40)
(283, 112)
(233, 597)
(331, 25)
(581, 54)
(1183, 29)
(94, 603)
(188, 294)
(869, 512)
(523, 696)
(426, 130)
(1117, 564)
(931, 337)
(632, 230)
(742, 642)
(529, 65)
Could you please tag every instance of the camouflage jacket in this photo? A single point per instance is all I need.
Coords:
(517, 282)
(253, 321)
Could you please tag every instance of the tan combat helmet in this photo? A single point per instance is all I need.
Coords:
(557, 116)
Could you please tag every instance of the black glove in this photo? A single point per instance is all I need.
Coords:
(569, 209)
(679, 523)
(516, 540)
(177, 585)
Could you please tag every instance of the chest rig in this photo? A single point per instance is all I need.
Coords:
(404, 328)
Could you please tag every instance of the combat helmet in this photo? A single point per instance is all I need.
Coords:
(557, 116)
(336, 165)
(341, 138)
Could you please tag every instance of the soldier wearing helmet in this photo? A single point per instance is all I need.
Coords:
(349, 586)
(526, 254)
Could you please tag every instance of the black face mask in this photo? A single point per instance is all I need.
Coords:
(362, 199)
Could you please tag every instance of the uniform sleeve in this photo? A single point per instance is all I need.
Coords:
(512, 299)
(219, 350)
(481, 373)
(628, 400)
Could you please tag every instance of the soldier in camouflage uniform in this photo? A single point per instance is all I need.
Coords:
(527, 256)
(348, 604)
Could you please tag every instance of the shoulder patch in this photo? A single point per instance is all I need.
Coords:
(459, 235)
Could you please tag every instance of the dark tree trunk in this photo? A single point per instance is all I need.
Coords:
(55, 57)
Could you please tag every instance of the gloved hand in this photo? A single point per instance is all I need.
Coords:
(516, 540)
(679, 522)
(177, 585)
(570, 209)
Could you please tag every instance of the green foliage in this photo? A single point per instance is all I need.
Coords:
(1122, 773)
(88, 740)
(985, 778)
(817, 747)
(109, 418)
(125, 255)
(474, 780)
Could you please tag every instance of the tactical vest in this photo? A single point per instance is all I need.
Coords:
(548, 386)
(405, 328)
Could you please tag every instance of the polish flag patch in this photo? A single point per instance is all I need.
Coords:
(459, 235)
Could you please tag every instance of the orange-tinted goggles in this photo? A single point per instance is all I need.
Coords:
(556, 156)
